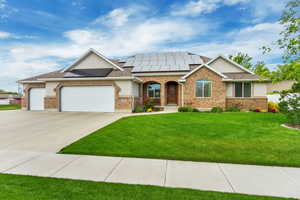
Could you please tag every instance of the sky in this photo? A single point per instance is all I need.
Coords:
(39, 36)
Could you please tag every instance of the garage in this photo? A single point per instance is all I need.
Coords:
(36, 98)
(87, 99)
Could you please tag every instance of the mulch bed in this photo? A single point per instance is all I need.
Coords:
(293, 126)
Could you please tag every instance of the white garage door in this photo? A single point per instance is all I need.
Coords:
(88, 99)
(36, 98)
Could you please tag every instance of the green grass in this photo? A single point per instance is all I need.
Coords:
(15, 187)
(10, 107)
(244, 138)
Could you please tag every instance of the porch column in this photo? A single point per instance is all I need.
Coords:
(162, 94)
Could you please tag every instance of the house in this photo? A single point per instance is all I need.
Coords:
(94, 83)
(280, 86)
(6, 99)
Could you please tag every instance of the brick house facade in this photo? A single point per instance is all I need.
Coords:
(132, 82)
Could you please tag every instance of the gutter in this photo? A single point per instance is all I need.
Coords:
(43, 80)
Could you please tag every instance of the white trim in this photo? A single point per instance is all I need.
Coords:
(91, 79)
(30, 82)
(240, 80)
(199, 67)
(86, 54)
(160, 74)
(232, 62)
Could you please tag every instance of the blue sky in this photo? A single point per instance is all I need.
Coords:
(38, 36)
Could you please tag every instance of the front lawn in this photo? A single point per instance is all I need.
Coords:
(15, 187)
(10, 107)
(244, 138)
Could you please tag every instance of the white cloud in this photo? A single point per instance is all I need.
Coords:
(2, 4)
(196, 8)
(248, 40)
(121, 16)
(4, 35)
(262, 9)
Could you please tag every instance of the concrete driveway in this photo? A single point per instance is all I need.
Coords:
(48, 131)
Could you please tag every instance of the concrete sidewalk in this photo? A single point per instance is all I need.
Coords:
(258, 180)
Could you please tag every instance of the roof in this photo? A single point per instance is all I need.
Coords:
(60, 74)
(92, 51)
(241, 75)
(163, 62)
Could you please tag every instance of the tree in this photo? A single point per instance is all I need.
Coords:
(246, 61)
(261, 70)
(243, 59)
(290, 36)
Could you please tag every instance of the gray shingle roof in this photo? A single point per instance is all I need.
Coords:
(241, 75)
(165, 61)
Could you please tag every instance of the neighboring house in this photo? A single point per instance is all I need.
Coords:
(95, 83)
(6, 99)
(279, 86)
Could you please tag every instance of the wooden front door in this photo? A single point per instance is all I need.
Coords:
(172, 93)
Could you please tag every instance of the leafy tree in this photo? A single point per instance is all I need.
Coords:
(261, 70)
(246, 61)
(290, 36)
(243, 59)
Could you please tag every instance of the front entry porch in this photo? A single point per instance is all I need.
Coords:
(163, 94)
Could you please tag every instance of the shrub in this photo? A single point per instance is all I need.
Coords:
(156, 108)
(149, 103)
(290, 106)
(263, 111)
(149, 110)
(185, 109)
(233, 109)
(216, 110)
(273, 107)
(196, 110)
(139, 109)
(257, 110)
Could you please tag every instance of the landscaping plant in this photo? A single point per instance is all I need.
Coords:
(233, 109)
(216, 110)
(149, 103)
(290, 106)
(185, 109)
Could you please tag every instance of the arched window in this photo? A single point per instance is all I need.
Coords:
(203, 88)
(153, 90)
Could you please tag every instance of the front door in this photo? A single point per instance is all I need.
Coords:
(172, 93)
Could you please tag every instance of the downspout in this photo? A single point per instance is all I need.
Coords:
(182, 94)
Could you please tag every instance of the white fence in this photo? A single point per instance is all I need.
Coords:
(275, 98)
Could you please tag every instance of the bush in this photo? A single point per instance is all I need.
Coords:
(185, 109)
(290, 106)
(149, 103)
(139, 109)
(196, 110)
(216, 110)
(233, 109)
(156, 108)
(273, 107)
(149, 110)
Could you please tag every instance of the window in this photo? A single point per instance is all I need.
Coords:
(203, 88)
(243, 89)
(153, 90)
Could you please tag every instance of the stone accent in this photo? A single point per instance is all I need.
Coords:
(124, 103)
(248, 103)
(25, 98)
(162, 80)
(218, 93)
(50, 103)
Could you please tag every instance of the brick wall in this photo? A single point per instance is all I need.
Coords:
(162, 80)
(218, 93)
(248, 103)
(27, 87)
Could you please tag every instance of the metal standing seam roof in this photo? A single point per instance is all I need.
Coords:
(165, 61)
